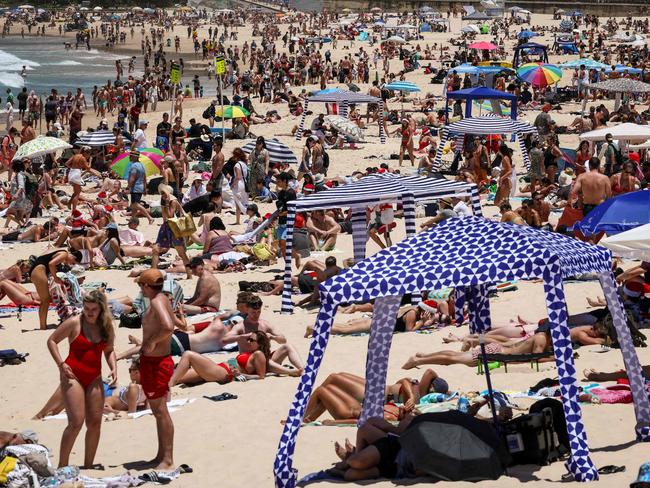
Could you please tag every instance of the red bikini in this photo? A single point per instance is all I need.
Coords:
(85, 359)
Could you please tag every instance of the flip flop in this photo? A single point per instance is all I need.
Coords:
(154, 477)
(221, 397)
(184, 468)
(610, 469)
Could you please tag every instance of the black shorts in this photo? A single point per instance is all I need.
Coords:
(136, 198)
(587, 208)
(388, 447)
(306, 283)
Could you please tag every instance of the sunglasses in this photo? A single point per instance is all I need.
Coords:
(250, 339)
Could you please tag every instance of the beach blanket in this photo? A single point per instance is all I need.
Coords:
(172, 406)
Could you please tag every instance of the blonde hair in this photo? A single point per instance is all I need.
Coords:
(104, 320)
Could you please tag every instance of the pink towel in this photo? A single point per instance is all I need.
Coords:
(606, 395)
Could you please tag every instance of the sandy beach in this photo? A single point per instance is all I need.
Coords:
(234, 443)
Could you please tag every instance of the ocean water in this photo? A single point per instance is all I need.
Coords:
(49, 65)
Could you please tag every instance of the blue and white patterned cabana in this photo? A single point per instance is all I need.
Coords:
(369, 192)
(343, 98)
(486, 125)
(471, 253)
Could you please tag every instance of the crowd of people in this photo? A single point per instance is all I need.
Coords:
(75, 202)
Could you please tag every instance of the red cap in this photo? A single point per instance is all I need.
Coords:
(633, 156)
(76, 213)
(381, 170)
(108, 208)
(101, 194)
(300, 222)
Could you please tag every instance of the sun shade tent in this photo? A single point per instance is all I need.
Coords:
(531, 48)
(343, 99)
(368, 192)
(481, 93)
(626, 132)
(469, 253)
(485, 126)
(634, 243)
(278, 152)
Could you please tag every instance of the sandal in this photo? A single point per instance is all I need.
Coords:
(221, 397)
(610, 469)
(184, 468)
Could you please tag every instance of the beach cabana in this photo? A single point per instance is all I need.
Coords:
(481, 93)
(485, 126)
(530, 49)
(368, 192)
(469, 253)
(343, 99)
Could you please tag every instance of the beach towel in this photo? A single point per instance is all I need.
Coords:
(613, 394)
(172, 406)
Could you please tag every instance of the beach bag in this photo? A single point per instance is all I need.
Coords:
(262, 252)
(638, 338)
(183, 226)
(531, 438)
(131, 320)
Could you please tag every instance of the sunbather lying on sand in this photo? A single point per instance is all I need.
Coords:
(208, 340)
(408, 319)
(18, 293)
(125, 399)
(194, 368)
(536, 344)
(593, 375)
(342, 394)
(375, 453)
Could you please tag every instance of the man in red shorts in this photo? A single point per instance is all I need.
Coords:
(156, 364)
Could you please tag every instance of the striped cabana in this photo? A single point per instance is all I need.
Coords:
(485, 126)
(343, 99)
(369, 192)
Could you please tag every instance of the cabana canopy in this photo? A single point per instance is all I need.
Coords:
(529, 48)
(485, 126)
(467, 253)
(369, 192)
(344, 99)
(481, 93)
(627, 132)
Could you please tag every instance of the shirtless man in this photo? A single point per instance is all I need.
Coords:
(251, 323)
(207, 296)
(78, 164)
(156, 364)
(323, 230)
(209, 339)
(536, 344)
(592, 186)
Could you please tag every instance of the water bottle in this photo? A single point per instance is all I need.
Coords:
(463, 404)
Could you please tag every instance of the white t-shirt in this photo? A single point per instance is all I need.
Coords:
(140, 139)
(462, 210)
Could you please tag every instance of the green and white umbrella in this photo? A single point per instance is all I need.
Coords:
(40, 146)
(345, 127)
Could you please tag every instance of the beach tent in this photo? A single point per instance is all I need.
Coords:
(485, 126)
(481, 93)
(467, 254)
(531, 49)
(96, 138)
(343, 99)
(625, 132)
(475, 16)
(634, 243)
(471, 28)
(368, 192)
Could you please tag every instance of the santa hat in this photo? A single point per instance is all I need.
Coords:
(76, 213)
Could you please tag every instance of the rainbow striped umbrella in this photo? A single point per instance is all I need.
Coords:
(231, 112)
(150, 161)
(539, 75)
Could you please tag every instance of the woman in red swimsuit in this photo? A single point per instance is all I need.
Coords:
(90, 335)
(248, 365)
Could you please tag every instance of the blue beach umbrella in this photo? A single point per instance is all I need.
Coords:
(403, 86)
(527, 34)
(617, 214)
